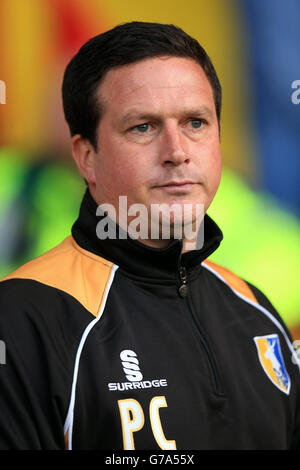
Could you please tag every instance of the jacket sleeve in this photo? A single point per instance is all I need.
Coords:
(294, 369)
(32, 407)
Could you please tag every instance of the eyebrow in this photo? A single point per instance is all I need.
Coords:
(203, 111)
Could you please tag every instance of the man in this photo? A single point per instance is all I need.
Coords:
(119, 339)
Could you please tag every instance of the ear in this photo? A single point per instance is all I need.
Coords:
(84, 155)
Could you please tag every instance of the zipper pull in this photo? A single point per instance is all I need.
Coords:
(183, 288)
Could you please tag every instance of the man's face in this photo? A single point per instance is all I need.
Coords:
(158, 137)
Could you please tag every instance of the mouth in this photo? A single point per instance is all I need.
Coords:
(178, 187)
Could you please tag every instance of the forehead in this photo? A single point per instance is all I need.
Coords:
(156, 83)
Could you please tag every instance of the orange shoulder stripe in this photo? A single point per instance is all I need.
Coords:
(234, 281)
(71, 269)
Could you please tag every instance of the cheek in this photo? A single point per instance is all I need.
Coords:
(212, 169)
(216, 164)
(209, 160)
(120, 174)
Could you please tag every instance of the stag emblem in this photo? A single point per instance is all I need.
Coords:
(271, 359)
(270, 354)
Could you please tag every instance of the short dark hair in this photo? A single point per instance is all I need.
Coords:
(125, 44)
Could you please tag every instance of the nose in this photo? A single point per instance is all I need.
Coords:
(172, 149)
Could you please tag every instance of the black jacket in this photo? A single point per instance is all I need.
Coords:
(114, 345)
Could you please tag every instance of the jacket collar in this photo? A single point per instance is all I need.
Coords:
(135, 257)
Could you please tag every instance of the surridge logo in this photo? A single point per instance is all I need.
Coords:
(133, 374)
(130, 365)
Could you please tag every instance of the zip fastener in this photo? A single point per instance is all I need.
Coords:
(183, 292)
(183, 288)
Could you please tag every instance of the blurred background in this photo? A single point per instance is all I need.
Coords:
(254, 46)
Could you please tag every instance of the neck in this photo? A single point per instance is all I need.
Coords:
(134, 256)
(193, 241)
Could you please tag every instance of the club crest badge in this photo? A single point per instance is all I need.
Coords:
(271, 359)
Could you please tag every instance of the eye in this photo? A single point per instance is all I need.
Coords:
(196, 123)
(142, 128)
